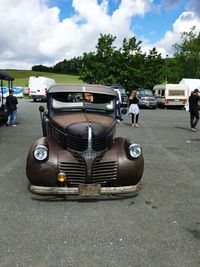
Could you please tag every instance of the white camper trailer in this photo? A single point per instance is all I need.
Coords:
(38, 87)
(171, 95)
(191, 84)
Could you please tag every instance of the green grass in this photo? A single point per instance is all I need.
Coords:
(22, 77)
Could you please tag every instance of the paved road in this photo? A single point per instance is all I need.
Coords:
(158, 227)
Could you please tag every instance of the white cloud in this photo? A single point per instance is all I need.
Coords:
(184, 23)
(23, 26)
(81, 32)
(31, 33)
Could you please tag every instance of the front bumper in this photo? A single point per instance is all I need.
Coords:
(43, 190)
(39, 97)
(144, 104)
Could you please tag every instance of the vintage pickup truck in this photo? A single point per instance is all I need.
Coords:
(79, 152)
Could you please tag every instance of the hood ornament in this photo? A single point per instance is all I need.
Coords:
(89, 154)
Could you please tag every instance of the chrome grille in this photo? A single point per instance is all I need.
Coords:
(99, 143)
(76, 143)
(55, 134)
(81, 144)
(104, 172)
(75, 171)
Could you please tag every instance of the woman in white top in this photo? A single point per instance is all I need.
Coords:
(133, 108)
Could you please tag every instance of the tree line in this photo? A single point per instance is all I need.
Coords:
(129, 66)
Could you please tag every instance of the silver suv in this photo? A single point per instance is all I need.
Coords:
(146, 99)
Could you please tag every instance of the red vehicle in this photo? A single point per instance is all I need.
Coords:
(79, 153)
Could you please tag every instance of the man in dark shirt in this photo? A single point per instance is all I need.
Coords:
(193, 109)
(11, 106)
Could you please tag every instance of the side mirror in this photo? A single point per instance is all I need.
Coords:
(41, 109)
(123, 111)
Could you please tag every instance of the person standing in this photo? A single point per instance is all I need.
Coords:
(134, 109)
(193, 109)
(118, 105)
(11, 106)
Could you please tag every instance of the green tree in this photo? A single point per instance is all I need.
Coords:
(71, 66)
(89, 68)
(153, 69)
(127, 65)
(131, 62)
(97, 66)
(188, 54)
(130, 67)
(42, 68)
(104, 47)
(172, 72)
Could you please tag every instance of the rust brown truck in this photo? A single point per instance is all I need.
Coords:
(79, 152)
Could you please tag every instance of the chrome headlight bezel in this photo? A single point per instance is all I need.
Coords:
(135, 151)
(40, 152)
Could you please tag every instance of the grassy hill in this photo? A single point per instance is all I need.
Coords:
(22, 77)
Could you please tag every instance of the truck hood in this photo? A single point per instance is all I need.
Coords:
(77, 123)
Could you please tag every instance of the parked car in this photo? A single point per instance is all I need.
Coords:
(146, 99)
(79, 153)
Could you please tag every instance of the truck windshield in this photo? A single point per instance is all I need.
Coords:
(68, 101)
(145, 93)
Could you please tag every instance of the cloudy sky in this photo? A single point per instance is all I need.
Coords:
(34, 32)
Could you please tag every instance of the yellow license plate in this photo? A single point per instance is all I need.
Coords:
(86, 190)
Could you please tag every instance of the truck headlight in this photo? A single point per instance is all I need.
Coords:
(40, 152)
(135, 150)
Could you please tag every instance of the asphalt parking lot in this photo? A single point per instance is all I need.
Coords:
(160, 226)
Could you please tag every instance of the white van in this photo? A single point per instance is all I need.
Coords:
(171, 95)
(38, 87)
(191, 84)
